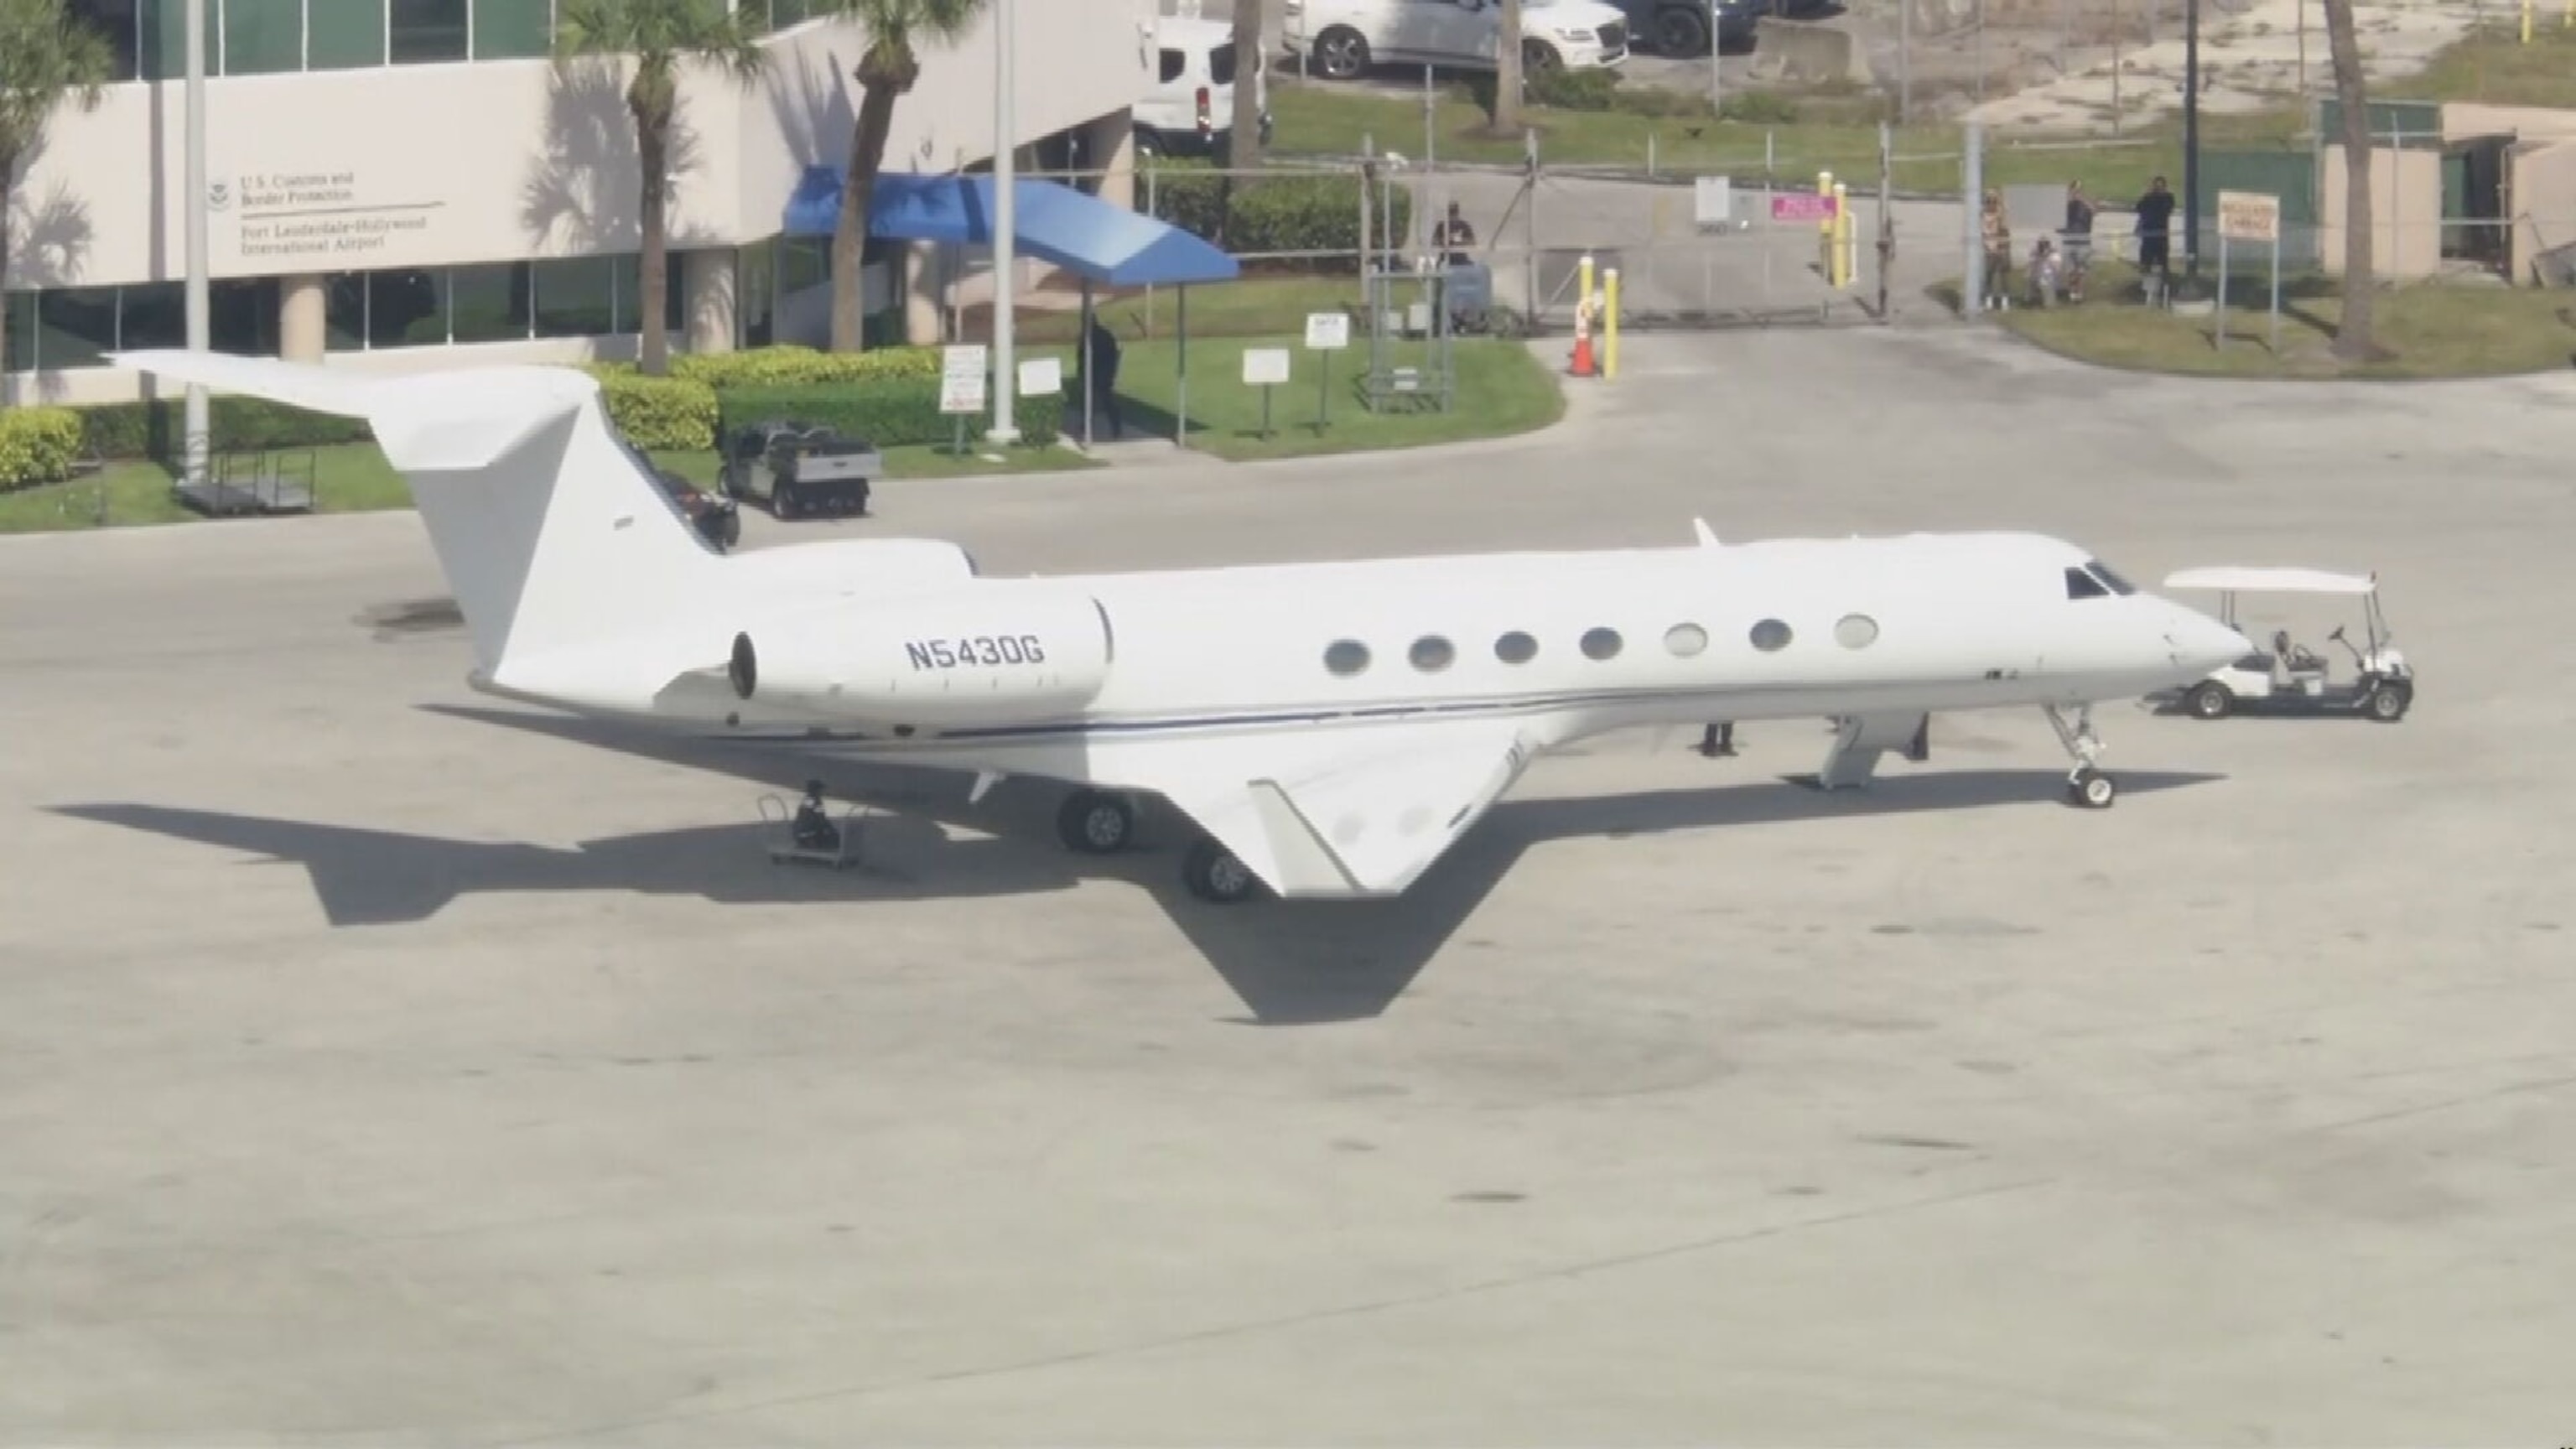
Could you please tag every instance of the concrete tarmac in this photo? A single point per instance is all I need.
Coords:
(383, 1065)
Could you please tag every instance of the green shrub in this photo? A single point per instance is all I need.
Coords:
(892, 413)
(661, 414)
(787, 366)
(1186, 192)
(1313, 214)
(1761, 108)
(159, 429)
(1559, 89)
(37, 445)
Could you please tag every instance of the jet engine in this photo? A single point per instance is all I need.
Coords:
(995, 651)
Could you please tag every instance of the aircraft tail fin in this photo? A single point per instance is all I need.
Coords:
(549, 528)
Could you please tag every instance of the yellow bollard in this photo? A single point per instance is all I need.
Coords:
(1610, 325)
(2527, 7)
(1583, 280)
(1842, 236)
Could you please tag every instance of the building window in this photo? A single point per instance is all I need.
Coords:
(407, 308)
(1685, 640)
(1431, 654)
(784, 13)
(154, 315)
(803, 261)
(1347, 657)
(345, 36)
(576, 297)
(18, 332)
(260, 37)
(344, 312)
(1770, 636)
(489, 304)
(161, 31)
(630, 294)
(1516, 648)
(75, 328)
(513, 29)
(1856, 631)
(1601, 644)
(122, 24)
(753, 15)
(424, 32)
(241, 317)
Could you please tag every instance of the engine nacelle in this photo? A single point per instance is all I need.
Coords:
(993, 652)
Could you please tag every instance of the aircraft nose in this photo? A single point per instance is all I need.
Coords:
(2201, 643)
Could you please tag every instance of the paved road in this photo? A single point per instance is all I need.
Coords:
(380, 1072)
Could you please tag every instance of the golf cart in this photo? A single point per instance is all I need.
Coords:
(2289, 678)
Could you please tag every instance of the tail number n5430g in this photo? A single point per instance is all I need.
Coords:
(975, 650)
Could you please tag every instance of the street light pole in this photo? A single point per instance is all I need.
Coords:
(2191, 141)
(197, 442)
(1005, 220)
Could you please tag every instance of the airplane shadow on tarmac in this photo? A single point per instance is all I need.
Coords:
(1291, 963)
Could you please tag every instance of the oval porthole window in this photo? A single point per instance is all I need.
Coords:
(1856, 631)
(1431, 654)
(1685, 640)
(1770, 635)
(1349, 656)
(1516, 648)
(1601, 644)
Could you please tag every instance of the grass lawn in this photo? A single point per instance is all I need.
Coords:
(2436, 330)
(356, 479)
(1317, 118)
(1502, 389)
(2494, 66)
(1257, 306)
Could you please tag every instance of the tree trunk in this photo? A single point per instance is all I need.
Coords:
(8, 202)
(1248, 59)
(652, 149)
(2352, 340)
(850, 235)
(1507, 71)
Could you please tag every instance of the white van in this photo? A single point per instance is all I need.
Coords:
(1343, 38)
(1190, 110)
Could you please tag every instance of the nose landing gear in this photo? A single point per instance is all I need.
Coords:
(2086, 785)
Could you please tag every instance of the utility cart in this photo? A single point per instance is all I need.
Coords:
(800, 470)
(2289, 677)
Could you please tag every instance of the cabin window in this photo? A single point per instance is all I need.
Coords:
(1685, 640)
(1770, 636)
(2102, 571)
(1431, 654)
(2081, 585)
(1516, 648)
(1347, 657)
(1601, 644)
(1856, 631)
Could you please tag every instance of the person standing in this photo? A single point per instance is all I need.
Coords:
(1100, 375)
(2078, 239)
(2155, 233)
(1997, 233)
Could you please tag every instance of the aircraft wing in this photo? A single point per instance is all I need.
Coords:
(1350, 812)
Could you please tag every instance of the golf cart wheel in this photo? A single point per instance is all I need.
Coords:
(1538, 57)
(2388, 703)
(1341, 53)
(782, 504)
(2092, 789)
(2209, 699)
(1681, 32)
(732, 532)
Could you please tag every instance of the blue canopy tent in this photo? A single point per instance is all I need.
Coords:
(1095, 240)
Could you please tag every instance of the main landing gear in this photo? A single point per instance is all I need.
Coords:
(2086, 785)
(1103, 822)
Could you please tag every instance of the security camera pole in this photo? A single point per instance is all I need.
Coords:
(1005, 219)
(197, 442)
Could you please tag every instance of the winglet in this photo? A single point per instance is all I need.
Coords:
(1706, 539)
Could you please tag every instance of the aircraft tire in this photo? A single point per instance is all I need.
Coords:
(1215, 876)
(1095, 822)
(2092, 789)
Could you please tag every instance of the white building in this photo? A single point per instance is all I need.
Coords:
(399, 182)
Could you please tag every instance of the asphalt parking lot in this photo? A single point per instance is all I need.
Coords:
(383, 1064)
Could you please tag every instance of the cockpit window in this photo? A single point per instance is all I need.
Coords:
(2103, 572)
(2082, 585)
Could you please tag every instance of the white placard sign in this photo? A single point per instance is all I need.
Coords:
(1265, 366)
(1041, 376)
(961, 379)
(1327, 331)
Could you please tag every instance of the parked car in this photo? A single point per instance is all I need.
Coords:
(1684, 27)
(1342, 39)
(1190, 110)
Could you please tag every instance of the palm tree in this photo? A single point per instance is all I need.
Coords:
(2352, 340)
(1248, 57)
(886, 71)
(46, 58)
(1507, 71)
(658, 36)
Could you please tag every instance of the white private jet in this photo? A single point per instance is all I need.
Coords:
(1332, 727)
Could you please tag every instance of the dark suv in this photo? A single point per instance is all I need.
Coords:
(1683, 27)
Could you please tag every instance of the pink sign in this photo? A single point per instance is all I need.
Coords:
(1800, 206)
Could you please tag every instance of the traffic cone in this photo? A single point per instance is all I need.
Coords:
(1583, 354)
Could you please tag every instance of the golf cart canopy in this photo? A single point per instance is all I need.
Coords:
(2272, 581)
